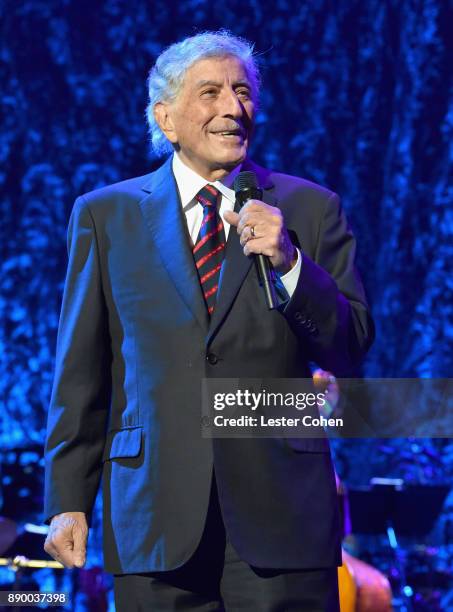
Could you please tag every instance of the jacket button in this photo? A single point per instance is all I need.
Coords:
(212, 358)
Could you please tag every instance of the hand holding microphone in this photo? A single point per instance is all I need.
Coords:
(262, 232)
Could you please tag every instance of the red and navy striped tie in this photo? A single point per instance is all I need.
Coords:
(210, 246)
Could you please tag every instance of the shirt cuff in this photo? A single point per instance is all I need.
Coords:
(290, 279)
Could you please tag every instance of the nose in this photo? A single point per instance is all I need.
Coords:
(230, 105)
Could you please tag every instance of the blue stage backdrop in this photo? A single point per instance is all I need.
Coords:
(355, 97)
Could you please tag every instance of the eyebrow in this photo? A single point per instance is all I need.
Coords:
(217, 84)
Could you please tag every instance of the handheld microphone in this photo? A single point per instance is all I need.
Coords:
(246, 188)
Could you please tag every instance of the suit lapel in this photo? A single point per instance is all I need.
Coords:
(164, 217)
(236, 265)
(162, 211)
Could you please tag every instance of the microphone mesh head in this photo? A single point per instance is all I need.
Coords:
(245, 180)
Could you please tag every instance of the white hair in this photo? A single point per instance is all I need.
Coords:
(166, 76)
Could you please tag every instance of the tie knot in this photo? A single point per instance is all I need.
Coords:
(207, 196)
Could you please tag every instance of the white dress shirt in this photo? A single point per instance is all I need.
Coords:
(189, 184)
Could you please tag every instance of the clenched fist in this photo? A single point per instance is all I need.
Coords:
(67, 539)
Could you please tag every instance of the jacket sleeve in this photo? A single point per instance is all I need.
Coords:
(80, 398)
(328, 310)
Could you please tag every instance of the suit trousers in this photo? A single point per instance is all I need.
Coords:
(216, 579)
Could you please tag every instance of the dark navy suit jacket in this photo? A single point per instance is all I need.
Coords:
(135, 341)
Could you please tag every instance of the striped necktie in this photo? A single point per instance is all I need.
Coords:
(209, 249)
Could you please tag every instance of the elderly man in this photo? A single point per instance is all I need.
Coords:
(161, 293)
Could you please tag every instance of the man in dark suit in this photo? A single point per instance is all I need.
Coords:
(161, 293)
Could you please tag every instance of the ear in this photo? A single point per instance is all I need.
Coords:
(163, 117)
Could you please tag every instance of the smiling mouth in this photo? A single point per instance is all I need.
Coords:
(230, 134)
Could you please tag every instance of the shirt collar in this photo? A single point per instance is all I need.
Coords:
(189, 183)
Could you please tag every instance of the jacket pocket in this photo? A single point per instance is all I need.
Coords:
(125, 442)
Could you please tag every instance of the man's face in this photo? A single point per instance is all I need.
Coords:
(211, 120)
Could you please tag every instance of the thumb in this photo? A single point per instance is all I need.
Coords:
(231, 217)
